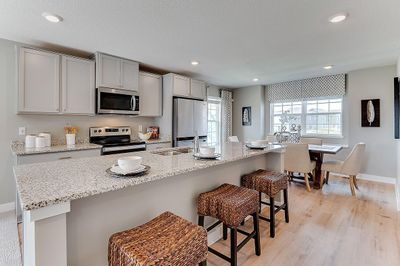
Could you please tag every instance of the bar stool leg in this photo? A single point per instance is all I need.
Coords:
(201, 220)
(272, 217)
(233, 246)
(224, 232)
(257, 244)
(286, 202)
(259, 202)
(203, 263)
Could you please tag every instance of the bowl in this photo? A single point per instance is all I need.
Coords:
(129, 163)
(260, 142)
(205, 150)
(145, 136)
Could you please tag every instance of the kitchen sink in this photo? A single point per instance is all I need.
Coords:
(173, 152)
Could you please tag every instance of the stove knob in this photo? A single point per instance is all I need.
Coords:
(95, 131)
(99, 130)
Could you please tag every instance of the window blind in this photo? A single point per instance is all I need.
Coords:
(326, 86)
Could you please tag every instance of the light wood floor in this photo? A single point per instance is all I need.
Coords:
(329, 227)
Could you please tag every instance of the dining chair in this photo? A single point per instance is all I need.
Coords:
(314, 141)
(350, 166)
(233, 139)
(297, 160)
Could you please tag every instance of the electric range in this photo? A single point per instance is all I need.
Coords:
(115, 140)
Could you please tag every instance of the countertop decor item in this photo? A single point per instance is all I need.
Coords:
(70, 134)
(30, 141)
(155, 132)
(144, 136)
(116, 171)
(47, 136)
(370, 113)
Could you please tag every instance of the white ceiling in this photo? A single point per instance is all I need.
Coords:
(235, 41)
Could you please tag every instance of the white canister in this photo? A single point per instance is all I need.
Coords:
(70, 139)
(47, 136)
(40, 142)
(30, 141)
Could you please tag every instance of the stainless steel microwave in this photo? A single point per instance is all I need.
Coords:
(116, 101)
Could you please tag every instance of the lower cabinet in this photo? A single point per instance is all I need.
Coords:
(156, 146)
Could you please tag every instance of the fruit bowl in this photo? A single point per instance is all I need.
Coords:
(145, 136)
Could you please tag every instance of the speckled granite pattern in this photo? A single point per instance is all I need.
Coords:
(43, 184)
(157, 141)
(20, 150)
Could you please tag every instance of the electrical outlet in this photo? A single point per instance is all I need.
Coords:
(22, 131)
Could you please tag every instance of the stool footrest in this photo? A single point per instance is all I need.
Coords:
(247, 239)
(211, 227)
(277, 207)
(219, 254)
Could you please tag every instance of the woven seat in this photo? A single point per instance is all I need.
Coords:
(165, 240)
(266, 181)
(228, 203)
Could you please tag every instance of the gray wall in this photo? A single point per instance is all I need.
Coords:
(249, 96)
(9, 121)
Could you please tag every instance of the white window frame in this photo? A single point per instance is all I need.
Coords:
(304, 117)
(215, 100)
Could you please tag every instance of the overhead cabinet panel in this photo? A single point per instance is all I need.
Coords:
(38, 81)
(181, 85)
(198, 89)
(78, 88)
(150, 94)
(130, 75)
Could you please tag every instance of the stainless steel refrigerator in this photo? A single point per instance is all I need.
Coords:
(190, 116)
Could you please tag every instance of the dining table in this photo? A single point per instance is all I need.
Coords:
(317, 154)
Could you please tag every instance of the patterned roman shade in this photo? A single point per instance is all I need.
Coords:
(327, 86)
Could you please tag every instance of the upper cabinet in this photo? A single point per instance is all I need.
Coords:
(117, 73)
(150, 94)
(38, 81)
(77, 85)
(198, 89)
(55, 84)
(186, 87)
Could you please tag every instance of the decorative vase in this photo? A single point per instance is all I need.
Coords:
(70, 139)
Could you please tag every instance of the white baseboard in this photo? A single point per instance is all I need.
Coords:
(6, 207)
(376, 178)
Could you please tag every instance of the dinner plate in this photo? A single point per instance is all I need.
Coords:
(116, 171)
(259, 147)
(207, 156)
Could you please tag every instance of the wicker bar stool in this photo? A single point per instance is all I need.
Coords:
(270, 183)
(230, 205)
(166, 240)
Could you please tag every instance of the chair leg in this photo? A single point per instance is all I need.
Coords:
(272, 217)
(256, 225)
(203, 263)
(233, 247)
(201, 220)
(286, 202)
(224, 232)
(327, 177)
(355, 182)
(307, 182)
(353, 191)
(259, 201)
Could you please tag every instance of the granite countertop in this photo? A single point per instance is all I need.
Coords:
(157, 141)
(20, 150)
(43, 184)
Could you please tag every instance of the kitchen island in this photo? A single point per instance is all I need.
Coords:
(71, 207)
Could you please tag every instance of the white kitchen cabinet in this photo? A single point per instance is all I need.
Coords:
(150, 94)
(181, 85)
(198, 89)
(77, 85)
(117, 73)
(38, 81)
(156, 146)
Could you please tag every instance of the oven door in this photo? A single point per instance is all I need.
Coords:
(122, 149)
(113, 101)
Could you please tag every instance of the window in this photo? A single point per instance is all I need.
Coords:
(214, 122)
(322, 117)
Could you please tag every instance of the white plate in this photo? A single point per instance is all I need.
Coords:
(256, 146)
(117, 171)
(207, 156)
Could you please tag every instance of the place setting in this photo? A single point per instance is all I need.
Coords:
(257, 144)
(206, 153)
(130, 166)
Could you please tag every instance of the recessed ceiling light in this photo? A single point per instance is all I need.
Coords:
(52, 17)
(195, 63)
(338, 18)
(255, 79)
(328, 67)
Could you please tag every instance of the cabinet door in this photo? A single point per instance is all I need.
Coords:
(38, 81)
(130, 75)
(150, 94)
(77, 85)
(109, 73)
(198, 89)
(181, 86)
(200, 117)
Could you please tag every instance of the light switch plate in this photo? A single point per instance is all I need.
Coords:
(22, 131)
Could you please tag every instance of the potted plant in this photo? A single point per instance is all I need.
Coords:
(70, 134)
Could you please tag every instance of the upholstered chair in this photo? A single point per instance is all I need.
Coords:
(297, 160)
(350, 166)
(233, 139)
(314, 141)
